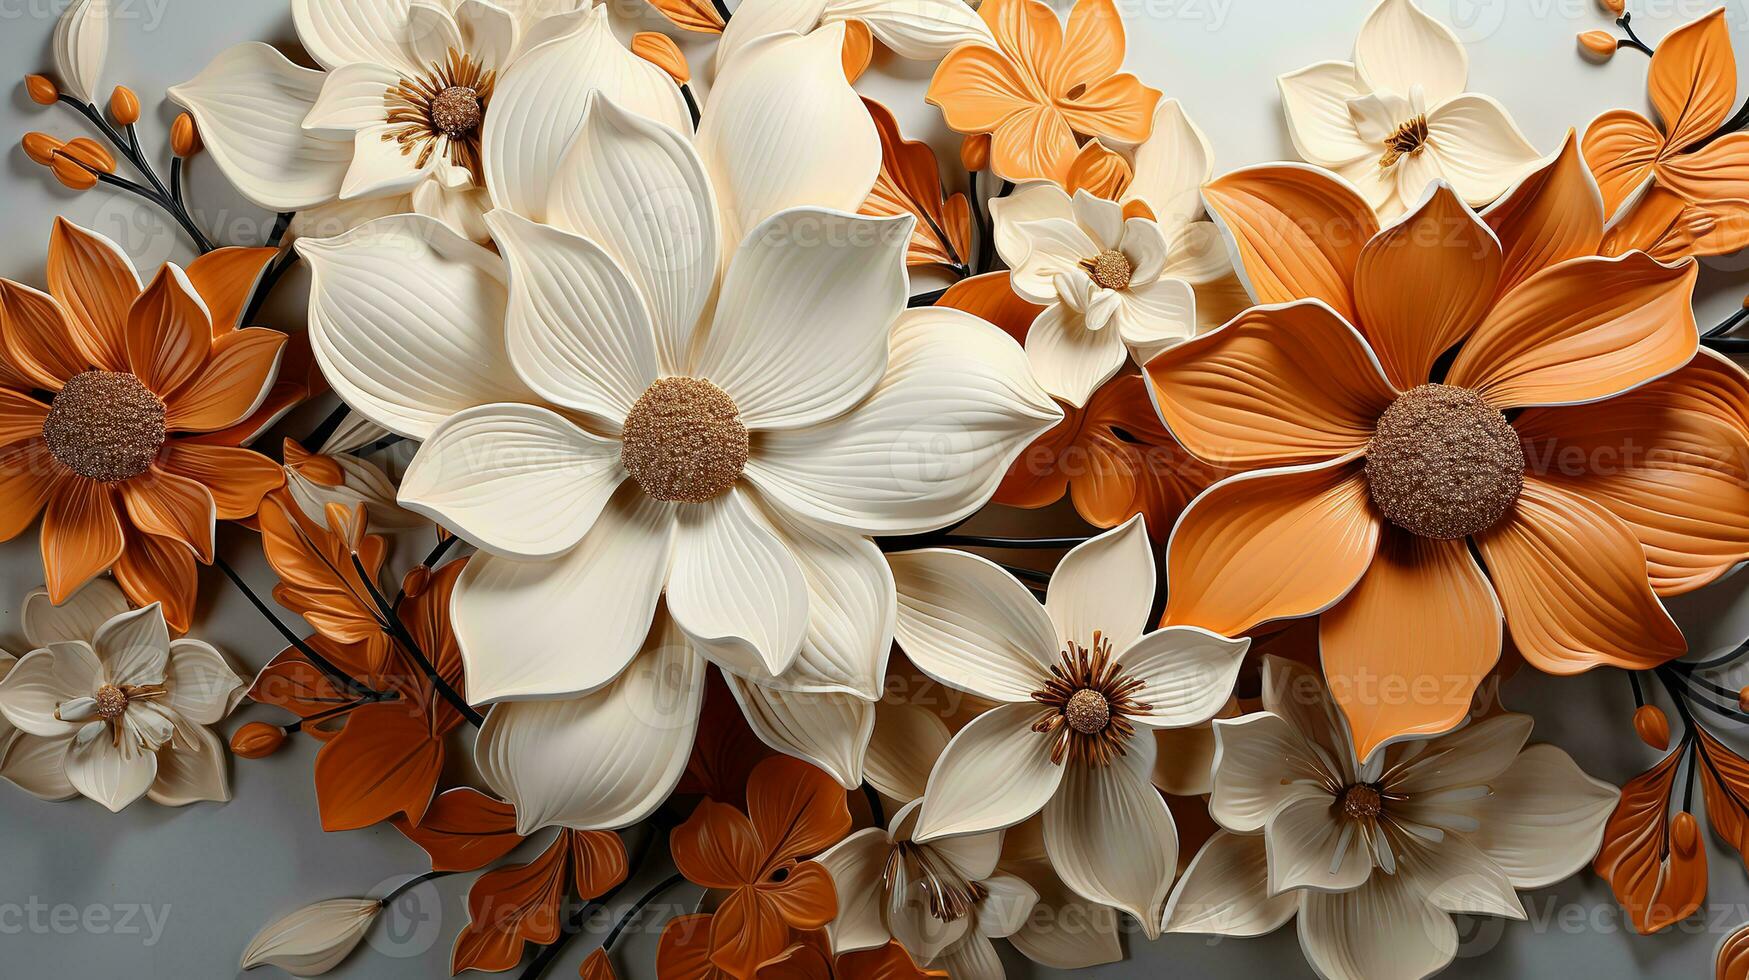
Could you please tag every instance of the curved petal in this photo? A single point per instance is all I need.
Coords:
(1478, 147)
(1572, 580)
(1401, 47)
(45, 678)
(1187, 674)
(111, 772)
(76, 619)
(80, 47)
(39, 336)
(518, 622)
(907, 740)
(37, 766)
(1470, 756)
(250, 104)
(1313, 846)
(134, 647)
(174, 507)
(851, 609)
(81, 536)
(1070, 360)
(995, 773)
(856, 865)
(29, 479)
(192, 772)
(1104, 585)
(1543, 817)
(94, 280)
(1315, 100)
(1385, 928)
(337, 32)
(237, 478)
(233, 383)
(1405, 651)
(1033, 201)
(353, 100)
(1621, 149)
(735, 589)
(1111, 838)
(605, 760)
(1710, 174)
(928, 447)
(201, 682)
(162, 570)
(797, 271)
(1235, 559)
(1261, 765)
(1581, 332)
(1693, 79)
(1171, 167)
(1279, 385)
(969, 624)
(1296, 232)
(829, 731)
(406, 322)
(1554, 214)
(1225, 891)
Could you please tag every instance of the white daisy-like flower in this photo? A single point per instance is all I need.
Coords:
(1376, 858)
(110, 707)
(1397, 118)
(1079, 690)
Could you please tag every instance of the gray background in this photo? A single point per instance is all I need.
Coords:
(212, 875)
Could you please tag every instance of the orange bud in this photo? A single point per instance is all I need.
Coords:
(42, 90)
(1600, 44)
(975, 152)
(184, 138)
(1614, 6)
(661, 51)
(41, 147)
(1684, 834)
(1743, 700)
(257, 740)
(90, 154)
(417, 581)
(1653, 726)
(124, 105)
(68, 172)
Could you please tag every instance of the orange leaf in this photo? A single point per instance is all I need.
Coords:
(597, 967)
(464, 830)
(319, 582)
(507, 907)
(796, 809)
(384, 762)
(694, 15)
(1693, 79)
(910, 183)
(598, 860)
(1653, 861)
(425, 614)
(1724, 780)
(889, 962)
(298, 686)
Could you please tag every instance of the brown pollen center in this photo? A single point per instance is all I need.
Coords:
(456, 111)
(1110, 269)
(684, 441)
(1408, 140)
(1362, 802)
(1088, 712)
(105, 426)
(1443, 463)
(111, 701)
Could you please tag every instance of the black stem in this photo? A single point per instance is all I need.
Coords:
(281, 225)
(981, 541)
(431, 559)
(398, 630)
(1639, 695)
(1722, 660)
(130, 148)
(1728, 324)
(176, 180)
(1688, 787)
(1726, 345)
(874, 805)
(1632, 40)
(926, 299)
(691, 104)
(722, 10)
(1728, 127)
(642, 903)
(411, 884)
(1029, 575)
(340, 677)
(264, 286)
(298, 726)
(319, 435)
(986, 246)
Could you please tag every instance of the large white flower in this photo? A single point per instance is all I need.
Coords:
(921, 29)
(402, 118)
(1375, 858)
(1398, 118)
(110, 707)
(1079, 691)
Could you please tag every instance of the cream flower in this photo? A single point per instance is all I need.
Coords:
(404, 117)
(1398, 118)
(110, 707)
(1376, 858)
(1079, 690)
(919, 29)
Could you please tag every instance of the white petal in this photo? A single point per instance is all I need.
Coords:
(972, 958)
(81, 46)
(1007, 905)
(1478, 147)
(1384, 929)
(856, 864)
(1297, 693)
(44, 678)
(906, 742)
(488, 31)
(1100, 219)
(1051, 247)
(1184, 760)
(969, 624)
(1144, 244)
(1316, 100)
(462, 209)
(928, 447)
(76, 619)
(995, 773)
(783, 129)
(925, 30)
(37, 766)
(1171, 167)
(605, 760)
(433, 31)
(314, 939)
(831, 731)
(756, 19)
(851, 610)
(1187, 674)
(1037, 200)
(570, 625)
(1066, 932)
(381, 167)
(351, 100)
(340, 217)
(1111, 838)
(636, 188)
(191, 773)
(1156, 316)
(111, 774)
(769, 346)
(1470, 756)
(1307, 848)
(539, 102)
(134, 647)
(1104, 585)
(520, 481)
(1225, 891)
(343, 32)
(1544, 817)
(249, 105)
(1400, 47)
(1261, 764)
(735, 589)
(1456, 876)
(201, 682)
(1069, 360)
(1197, 254)
(406, 322)
(363, 484)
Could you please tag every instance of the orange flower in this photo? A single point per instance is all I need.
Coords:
(1693, 85)
(793, 810)
(684, 954)
(149, 395)
(1377, 456)
(1040, 88)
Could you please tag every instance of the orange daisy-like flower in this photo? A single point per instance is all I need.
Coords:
(1040, 88)
(1693, 85)
(1447, 381)
(122, 414)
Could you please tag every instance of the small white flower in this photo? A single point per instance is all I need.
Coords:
(314, 939)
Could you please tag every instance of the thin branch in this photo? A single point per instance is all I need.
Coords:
(1632, 40)
(398, 630)
(340, 677)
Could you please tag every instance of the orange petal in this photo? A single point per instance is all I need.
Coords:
(1572, 580)
(1240, 554)
(236, 478)
(1621, 147)
(153, 569)
(1092, 49)
(1693, 79)
(598, 861)
(1553, 215)
(1582, 331)
(95, 281)
(716, 847)
(1026, 31)
(38, 336)
(21, 417)
(384, 762)
(28, 477)
(1668, 458)
(1406, 650)
(978, 88)
(1719, 172)
(172, 506)
(225, 278)
(1422, 284)
(81, 536)
(1299, 232)
(1129, 464)
(858, 49)
(1035, 143)
(1120, 108)
(1277, 386)
(1659, 223)
(746, 931)
(230, 385)
(1099, 171)
(796, 809)
(991, 297)
(806, 898)
(168, 334)
(684, 951)
(1041, 475)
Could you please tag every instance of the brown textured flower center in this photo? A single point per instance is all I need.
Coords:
(1407, 140)
(1362, 802)
(111, 701)
(1088, 712)
(1110, 268)
(105, 425)
(440, 110)
(456, 111)
(1091, 702)
(684, 440)
(1443, 463)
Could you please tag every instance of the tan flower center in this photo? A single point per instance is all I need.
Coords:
(1110, 268)
(1088, 712)
(111, 701)
(105, 425)
(684, 441)
(442, 109)
(1362, 802)
(1408, 140)
(456, 111)
(1443, 463)
(1091, 702)
(948, 894)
